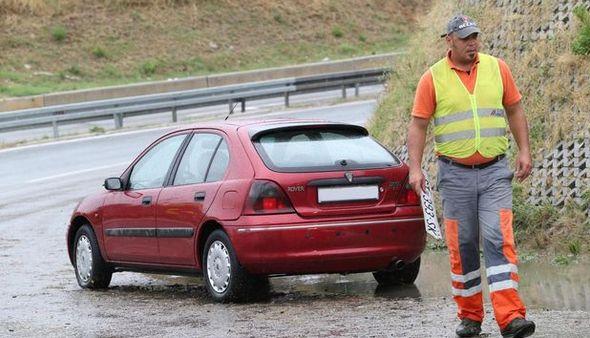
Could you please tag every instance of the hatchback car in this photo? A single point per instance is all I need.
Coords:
(241, 201)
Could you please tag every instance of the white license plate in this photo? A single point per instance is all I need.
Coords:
(354, 193)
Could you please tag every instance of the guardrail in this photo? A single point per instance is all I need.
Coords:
(118, 109)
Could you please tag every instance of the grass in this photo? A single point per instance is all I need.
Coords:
(581, 45)
(96, 130)
(556, 96)
(59, 33)
(99, 52)
(149, 67)
(337, 32)
(167, 39)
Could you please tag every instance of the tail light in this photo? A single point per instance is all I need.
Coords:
(266, 197)
(408, 196)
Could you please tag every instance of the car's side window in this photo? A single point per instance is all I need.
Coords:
(219, 163)
(150, 171)
(195, 161)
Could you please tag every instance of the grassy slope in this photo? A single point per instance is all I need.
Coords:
(556, 94)
(120, 41)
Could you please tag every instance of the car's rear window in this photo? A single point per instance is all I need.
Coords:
(313, 149)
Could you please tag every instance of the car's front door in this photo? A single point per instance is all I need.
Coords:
(184, 202)
(129, 216)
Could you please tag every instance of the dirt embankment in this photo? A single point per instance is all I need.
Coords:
(68, 44)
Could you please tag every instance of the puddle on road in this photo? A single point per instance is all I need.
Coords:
(543, 285)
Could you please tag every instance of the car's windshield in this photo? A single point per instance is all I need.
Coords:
(321, 150)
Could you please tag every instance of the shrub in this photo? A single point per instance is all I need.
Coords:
(59, 33)
(337, 32)
(149, 67)
(278, 18)
(99, 52)
(74, 70)
(362, 38)
(575, 247)
(96, 130)
(581, 45)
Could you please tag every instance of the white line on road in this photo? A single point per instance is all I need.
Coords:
(49, 178)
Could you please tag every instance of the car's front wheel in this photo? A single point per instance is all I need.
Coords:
(92, 272)
(405, 275)
(224, 277)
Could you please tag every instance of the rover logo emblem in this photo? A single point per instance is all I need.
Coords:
(348, 176)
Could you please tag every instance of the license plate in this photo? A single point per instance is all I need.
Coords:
(430, 220)
(342, 194)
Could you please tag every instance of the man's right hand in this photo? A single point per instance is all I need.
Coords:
(417, 181)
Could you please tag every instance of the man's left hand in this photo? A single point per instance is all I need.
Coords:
(524, 166)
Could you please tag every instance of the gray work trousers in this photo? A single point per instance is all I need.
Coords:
(480, 201)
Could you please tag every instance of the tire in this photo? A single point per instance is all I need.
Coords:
(407, 275)
(92, 272)
(225, 279)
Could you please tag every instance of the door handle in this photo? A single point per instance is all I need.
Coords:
(199, 196)
(146, 200)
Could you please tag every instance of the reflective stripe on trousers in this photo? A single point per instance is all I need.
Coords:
(474, 201)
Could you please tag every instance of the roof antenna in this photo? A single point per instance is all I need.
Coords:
(231, 111)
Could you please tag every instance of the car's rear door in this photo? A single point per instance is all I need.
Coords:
(129, 216)
(188, 195)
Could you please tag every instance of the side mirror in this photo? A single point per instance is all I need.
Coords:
(113, 183)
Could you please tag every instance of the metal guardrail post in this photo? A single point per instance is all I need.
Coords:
(343, 92)
(55, 130)
(243, 105)
(356, 89)
(174, 115)
(118, 120)
(286, 99)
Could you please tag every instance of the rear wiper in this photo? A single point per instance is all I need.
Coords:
(345, 162)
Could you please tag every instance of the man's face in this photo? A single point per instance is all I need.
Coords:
(464, 50)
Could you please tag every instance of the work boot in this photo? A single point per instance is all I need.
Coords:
(519, 328)
(468, 328)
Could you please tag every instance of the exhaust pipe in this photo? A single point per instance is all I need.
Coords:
(399, 264)
(396, 264)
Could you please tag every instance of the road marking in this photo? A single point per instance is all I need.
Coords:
(49, 178)
(87, 138)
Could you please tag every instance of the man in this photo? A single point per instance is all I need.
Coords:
(469, 95)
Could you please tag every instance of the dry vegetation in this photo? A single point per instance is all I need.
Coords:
(68, 44)
(556, 94)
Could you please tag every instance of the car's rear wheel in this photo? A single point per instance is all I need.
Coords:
(92, 272)
(225, 279)
(405, 275)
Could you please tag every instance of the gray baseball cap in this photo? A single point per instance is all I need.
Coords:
(462, 25)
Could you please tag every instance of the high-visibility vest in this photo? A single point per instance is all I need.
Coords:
(463, 122)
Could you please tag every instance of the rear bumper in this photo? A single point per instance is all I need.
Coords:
(336, 246)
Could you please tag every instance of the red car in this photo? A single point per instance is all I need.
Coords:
(239, 201)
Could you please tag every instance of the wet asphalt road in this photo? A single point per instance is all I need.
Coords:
(40, 186)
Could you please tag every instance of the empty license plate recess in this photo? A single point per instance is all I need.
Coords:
(353, 193)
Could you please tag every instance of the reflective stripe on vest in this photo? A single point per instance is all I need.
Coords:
(463, 122)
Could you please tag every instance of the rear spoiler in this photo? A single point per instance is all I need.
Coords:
(256, 133)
